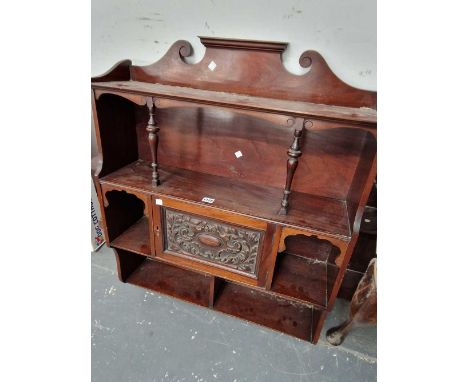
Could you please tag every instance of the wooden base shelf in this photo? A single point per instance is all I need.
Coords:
(306, 211)
(135, 239)
(173, 281)
(252, 304)
(264, 309)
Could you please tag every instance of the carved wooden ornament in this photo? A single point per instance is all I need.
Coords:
(226, 245)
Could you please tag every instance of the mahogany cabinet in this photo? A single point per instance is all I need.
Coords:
(232, 183)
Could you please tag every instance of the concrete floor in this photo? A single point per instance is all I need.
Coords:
(143, 336)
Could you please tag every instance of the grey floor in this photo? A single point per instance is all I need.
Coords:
(138, 335)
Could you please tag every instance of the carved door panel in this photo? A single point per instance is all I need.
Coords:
(220, 243)
(210, 240)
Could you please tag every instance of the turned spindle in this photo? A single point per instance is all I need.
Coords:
(153, 140)
(294, 152)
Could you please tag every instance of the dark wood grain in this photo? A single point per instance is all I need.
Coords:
(311, 248)
(122, 210)
(318, 318)
(135, 239)
(215, 285)
(264, 309)
(364, 116)
(349, 284)
(325, 215)
(117, 142)
(365, 249)
(119, 72)
(153, 140)
(173, 281)
(254, 68)
(368, 183)
(294, 152)
(207, 143)
(127, 263)
(302, 279)
(363, 179)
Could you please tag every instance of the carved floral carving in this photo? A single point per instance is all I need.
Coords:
(206, 239)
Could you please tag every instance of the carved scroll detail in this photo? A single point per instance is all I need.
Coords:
(128, 192)
(153, 140)
(185, 49)
(306, 59)
(226, 245)
(341, 245)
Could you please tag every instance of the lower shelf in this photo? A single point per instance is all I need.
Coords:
(265, 309)
(302, 279)
(135, 239)
(189, 286)
(249, 303)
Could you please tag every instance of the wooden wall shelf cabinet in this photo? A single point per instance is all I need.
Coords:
(232, 183)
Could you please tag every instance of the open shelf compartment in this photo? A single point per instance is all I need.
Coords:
(158, 276)
(127, 224)
(135, 238)
(265, 309)
(305, 272)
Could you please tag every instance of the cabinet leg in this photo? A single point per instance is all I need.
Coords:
(337, 334)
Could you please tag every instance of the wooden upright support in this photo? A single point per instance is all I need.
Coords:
(153, 140)
(294, 153)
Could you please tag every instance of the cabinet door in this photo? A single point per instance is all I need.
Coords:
(211, 240)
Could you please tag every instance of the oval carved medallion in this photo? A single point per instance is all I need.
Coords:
(209, 240)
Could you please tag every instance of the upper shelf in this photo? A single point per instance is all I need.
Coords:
(310, 212)
(362, 115)
(244, 74)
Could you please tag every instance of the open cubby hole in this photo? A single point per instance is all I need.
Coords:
(159, 276)
(117, 130)
(127, 225)
(305, 271)
(264, 308)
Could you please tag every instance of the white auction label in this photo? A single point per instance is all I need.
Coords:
(208, 200)
(159, 202)
(238, 154)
